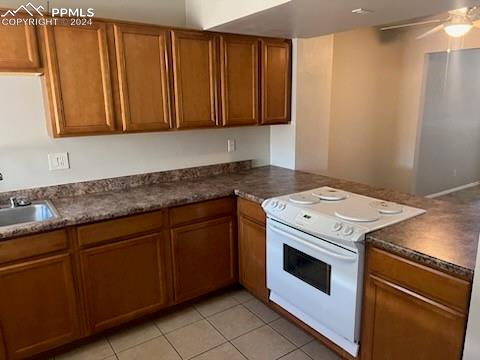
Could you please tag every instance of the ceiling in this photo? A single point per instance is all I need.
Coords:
(309, 18)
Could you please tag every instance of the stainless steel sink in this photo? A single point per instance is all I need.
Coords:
(36, 212)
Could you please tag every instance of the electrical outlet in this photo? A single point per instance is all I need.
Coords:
(58, 161)
(231, 145)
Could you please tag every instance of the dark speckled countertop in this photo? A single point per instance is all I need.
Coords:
(445, 238)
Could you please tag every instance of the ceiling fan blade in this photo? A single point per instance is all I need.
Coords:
(430, 32)
(414, 24)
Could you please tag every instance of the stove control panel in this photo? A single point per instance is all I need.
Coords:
(318, 224)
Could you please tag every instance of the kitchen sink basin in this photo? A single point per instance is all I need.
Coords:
(36, 212)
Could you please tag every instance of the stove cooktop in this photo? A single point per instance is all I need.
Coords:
(336, 214)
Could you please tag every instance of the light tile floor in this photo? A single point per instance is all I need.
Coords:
(233, 326)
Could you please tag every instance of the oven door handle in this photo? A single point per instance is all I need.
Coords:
(312, 246)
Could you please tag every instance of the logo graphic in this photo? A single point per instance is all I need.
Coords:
(39, 15)
(30, 9)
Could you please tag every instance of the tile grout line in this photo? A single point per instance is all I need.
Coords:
(181, 327)
(248, 332)
(168, 341)
(305, 352)
(218, 312)
(203, 352)
(111, 347)
(279, 333)
(173, 347)
(245, 356)
(268, 323)
(227, 340)
(207, 319)
(265, 323)
(140, 343)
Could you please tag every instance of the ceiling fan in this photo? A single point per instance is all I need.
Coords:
(458, 23)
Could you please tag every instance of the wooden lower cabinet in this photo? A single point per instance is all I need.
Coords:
(204, 257)
(411, 311)
(125, 280)
(38, 307)
(252, 249)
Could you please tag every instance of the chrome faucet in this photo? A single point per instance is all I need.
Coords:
(13, 202)
(18, 202)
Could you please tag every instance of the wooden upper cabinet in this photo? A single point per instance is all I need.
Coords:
(142, 58)
(18, 48)
(276, 81)
(79, 79)
(38, 308)
(194, 79)
(239, 80)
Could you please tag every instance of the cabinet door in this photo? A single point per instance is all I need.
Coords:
(38, 310)
(18, 47)
(79, 79)
(252, 257)
(195, 79)
(204, 257)
(401, 324)
(276, 81)
(125, 280)
(239, 80)
(142, 58)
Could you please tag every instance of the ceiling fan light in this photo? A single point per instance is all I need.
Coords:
(457, 29)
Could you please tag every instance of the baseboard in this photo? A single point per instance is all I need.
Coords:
(455, 189)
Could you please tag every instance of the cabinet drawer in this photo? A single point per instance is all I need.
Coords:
(118, 228)
(34, 245)
(195, 212)
(252, 210)
(429, 282)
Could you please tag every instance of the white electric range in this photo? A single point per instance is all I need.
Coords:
(315, 256)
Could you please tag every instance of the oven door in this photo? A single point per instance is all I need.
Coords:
(314, 280)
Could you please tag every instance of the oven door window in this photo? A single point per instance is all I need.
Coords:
(306, 268)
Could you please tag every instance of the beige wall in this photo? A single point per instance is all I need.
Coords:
(313, 98)
(366, 76)
(25, 144)
(375, 99)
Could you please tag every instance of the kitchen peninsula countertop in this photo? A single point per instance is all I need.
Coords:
(446, 237)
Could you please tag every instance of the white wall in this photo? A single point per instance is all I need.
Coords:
(205, 14)
(25, 143)
(449, 138)
(161, 12)
(283, 137)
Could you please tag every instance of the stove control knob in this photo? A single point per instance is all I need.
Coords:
(348, 231)
(274, 204)
(337, 226)
(282, 206)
